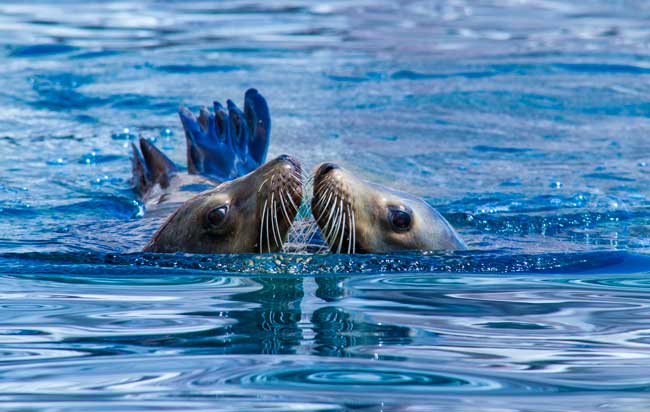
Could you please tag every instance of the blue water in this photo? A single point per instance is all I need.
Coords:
(526, 123)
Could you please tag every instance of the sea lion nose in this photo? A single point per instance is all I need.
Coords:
(288, 159)
(325, 168)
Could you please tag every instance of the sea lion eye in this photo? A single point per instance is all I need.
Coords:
(400, 218)
(217, 216)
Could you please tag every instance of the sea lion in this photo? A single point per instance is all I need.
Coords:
(355, 216)
(230, 201)
(252, 213)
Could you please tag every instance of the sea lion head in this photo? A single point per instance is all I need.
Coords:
(356, 216)
(250, 214)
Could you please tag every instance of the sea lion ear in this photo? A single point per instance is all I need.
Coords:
(150, 167)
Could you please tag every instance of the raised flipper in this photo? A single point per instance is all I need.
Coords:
(259, 124)
(150, 167)
(228, 143)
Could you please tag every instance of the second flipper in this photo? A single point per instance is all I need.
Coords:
(228, 143)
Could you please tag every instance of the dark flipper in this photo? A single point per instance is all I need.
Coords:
(150, 167)
(259, 123)
(228, 143)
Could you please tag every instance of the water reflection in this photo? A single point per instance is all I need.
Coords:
(271, 323)
(268, 319)
(337, 329)
(303, 337)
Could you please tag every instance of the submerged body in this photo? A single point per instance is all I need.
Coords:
(355, 216)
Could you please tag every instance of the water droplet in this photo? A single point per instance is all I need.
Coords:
(89, 158)
(124, 134)
(139, 208)
(59, 161)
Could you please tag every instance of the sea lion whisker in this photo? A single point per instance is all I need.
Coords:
(262, 185)
(308, 226)
(284, 209)
(326, 195)
(294, 173)
(293, 188)
(342, 233)
(336, 223)
(351, 228)
(322, 196)
(327, 207)
(334, 230)
(279, 242)
(271, 204)
(293, 204)
(266, 229)
(321, 188)
(310, 229)
(354, 232)
(277, 225)
(262, 226)
(293, 208)
(300, 234)
(326, 229)
(328, 189)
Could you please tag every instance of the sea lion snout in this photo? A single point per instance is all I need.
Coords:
(325, 168)
(289, 159)
(328, 174)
